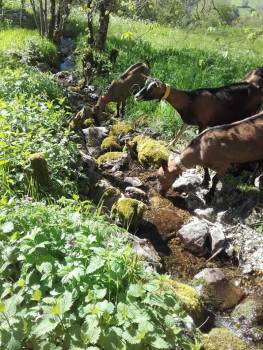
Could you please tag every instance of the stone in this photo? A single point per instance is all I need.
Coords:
(79, 120)
(151, 153)
(188, 181)
(194, 235)
(136, 193)
(248, 316)
(133, 181)
(207, 213)
(110, 144)
(215, 290)
(217, 237)
(259, 182)
(104, 193)
(128, 212)
(120, 129)
(39, 167)
(114, 161)
(189, 300)
(146, 253)
(164, 218)
(222, 339)
(95, 135)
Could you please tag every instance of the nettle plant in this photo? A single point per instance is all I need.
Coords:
(32, 119)
(69, 280)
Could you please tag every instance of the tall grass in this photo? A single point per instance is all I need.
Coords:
(184, 58)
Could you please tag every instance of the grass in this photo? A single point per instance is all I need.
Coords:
(186, 59)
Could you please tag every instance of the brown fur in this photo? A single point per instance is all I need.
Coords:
(218, 148)
(120, 89)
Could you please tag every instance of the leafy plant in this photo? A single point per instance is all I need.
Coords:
(69, 280)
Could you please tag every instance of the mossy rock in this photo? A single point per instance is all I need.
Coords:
(128, 212)
(40, 168)
(110, 156)
(189, 300)
(111, 108)
(151, 153)
(223, 339)
(110, 144)
(82, 119)
(121, 128)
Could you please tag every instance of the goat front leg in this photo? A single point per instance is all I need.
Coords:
(178, 135)
(118, 109)
(209, 196)
(123, 105)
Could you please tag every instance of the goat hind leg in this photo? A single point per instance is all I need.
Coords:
(209, 196)
(178, 134)
(206, 178)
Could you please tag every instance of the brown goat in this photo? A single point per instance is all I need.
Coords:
(217, 148)
(120, 89)
(207, 106)
(255, 77)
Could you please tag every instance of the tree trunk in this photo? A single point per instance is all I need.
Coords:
(52, 22)
(90, 39)
(104, 19)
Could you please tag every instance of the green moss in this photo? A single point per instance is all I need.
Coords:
(150, 152)
(121, 128)
(40, 168)
(88, 122)
(221, 338)
(189, 300)
(128, 212)
(110, 156)
(110, 143)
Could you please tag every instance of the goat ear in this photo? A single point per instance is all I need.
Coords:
(164, 164)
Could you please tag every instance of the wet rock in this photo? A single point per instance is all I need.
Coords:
(113, 161)
(194, 236)
(128, 212)
(248, 316)
(187, 182)
(222, 339)
(146, 253)
(194, 201)
(189, 300)
(208, 213)
(259, 182)
(215, 290)
(164, 217)
(39, 166)
(110, 144)
(136, 193)
(151, 153)
(133, 181)
(217, 237)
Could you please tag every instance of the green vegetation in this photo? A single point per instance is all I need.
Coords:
(69, 281)
(128, 212)
(110, 156)
(223, 339)
(32, 115)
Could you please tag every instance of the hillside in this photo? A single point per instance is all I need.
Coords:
(92, 255)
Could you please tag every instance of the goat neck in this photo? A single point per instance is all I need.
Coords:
(177, 98)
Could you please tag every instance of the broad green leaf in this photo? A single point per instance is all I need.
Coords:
(95, 264)
(90, 333)
(136, 290)
(45, 326)
(160, 343)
